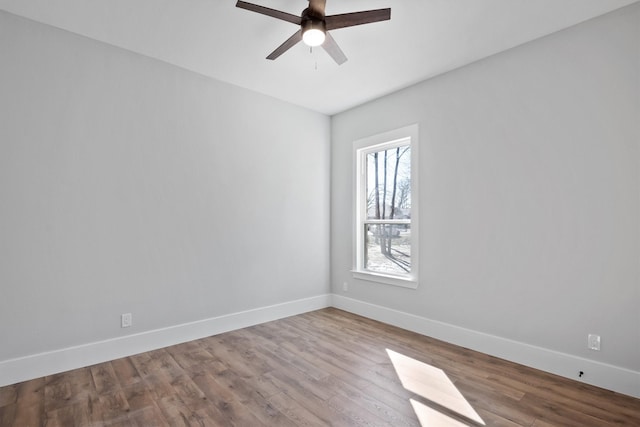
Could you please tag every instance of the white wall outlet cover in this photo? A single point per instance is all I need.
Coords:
(126, 320)
(593, 342)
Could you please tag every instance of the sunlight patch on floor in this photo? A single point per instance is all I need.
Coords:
(434, 385)
(432, 418)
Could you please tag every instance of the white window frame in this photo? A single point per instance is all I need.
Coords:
(362, 147)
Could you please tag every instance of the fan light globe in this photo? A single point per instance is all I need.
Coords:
(313, 37)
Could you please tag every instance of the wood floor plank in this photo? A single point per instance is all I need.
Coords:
(69, 415)
(224, 406)
(254, 399)
(8, 414)
(110, 406)
(104, 377)
(125, 372)
(176, 413)
(296, 412)
(323, 368)
(159, 385)
(584, 401)
(29, 407)
(280, 356)
(356, 414)
(190, 355)
(492, 419)
(189, 392)
(363, 400)
(145, 417)
(307, 393)
(501, 406)
(8, 395)
(140, 395)
(558, 414)
(143, 364)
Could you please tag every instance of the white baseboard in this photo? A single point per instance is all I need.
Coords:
(599, 374)
(38, 365)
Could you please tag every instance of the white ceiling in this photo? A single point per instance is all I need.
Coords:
(212, 37)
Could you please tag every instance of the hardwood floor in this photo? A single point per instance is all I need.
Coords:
(326, 367)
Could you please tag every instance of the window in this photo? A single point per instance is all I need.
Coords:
(385, 240)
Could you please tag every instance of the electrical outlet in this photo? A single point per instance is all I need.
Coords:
(593, 342)
(126, 320)
(345, 286)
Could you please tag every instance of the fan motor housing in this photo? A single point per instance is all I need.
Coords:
(309, 13)
(313, 24)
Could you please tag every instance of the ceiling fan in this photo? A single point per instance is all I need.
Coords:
(315, 26)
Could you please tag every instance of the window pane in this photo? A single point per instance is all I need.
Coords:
(388, 248)
(389, 183)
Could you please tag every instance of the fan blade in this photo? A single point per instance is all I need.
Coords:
(357, 18)
(333, 49)
(269, 12)
(318, 6)
(291, 41)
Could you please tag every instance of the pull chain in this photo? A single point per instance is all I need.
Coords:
(315, 58)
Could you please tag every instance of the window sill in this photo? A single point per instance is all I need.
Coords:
(410, 283)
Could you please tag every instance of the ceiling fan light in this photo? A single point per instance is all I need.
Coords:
(313, 37)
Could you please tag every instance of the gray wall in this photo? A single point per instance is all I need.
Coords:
(129, 185)
(529, 192)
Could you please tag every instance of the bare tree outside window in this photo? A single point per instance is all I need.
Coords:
(388, 218)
